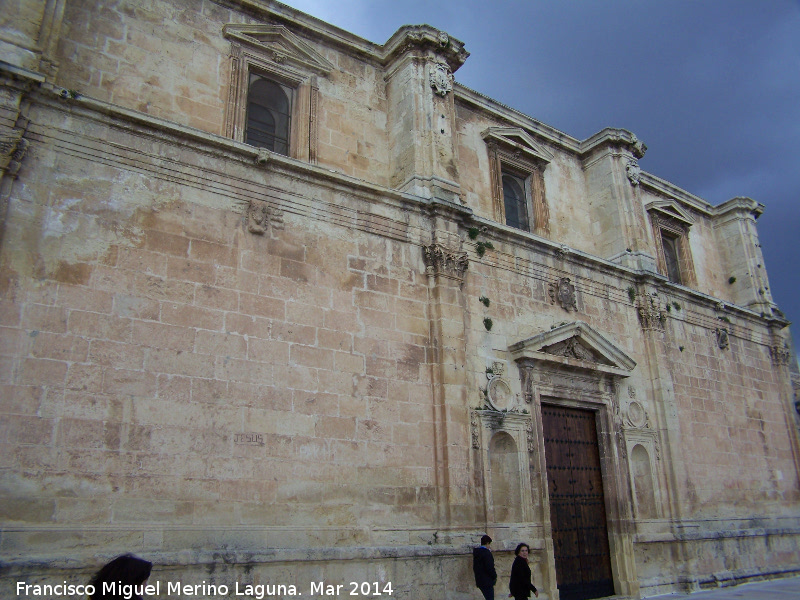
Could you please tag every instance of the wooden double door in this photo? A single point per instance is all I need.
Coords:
(577, 505)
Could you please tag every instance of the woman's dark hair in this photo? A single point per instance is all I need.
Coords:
(520, 547)
(485, 539)
(123, 570)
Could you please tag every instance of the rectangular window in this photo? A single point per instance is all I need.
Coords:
(269, 114)
(672, 255)
(516, 175)
(516, 202)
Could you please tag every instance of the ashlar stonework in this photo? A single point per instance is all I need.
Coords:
(281, 305)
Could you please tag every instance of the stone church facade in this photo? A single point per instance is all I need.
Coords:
(281, 305)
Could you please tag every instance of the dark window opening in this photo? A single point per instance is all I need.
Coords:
(671, 257)
(269, 115)
(516, 202)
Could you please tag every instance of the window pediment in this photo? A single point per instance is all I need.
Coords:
(672, 210)
(515, 139)
(575, 344)
(278, 44)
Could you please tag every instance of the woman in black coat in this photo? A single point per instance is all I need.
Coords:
(127, 573)
(520, 584)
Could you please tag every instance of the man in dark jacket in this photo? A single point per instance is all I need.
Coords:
(483, 566)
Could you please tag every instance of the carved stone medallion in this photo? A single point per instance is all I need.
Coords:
(499, 394)
(636, 415)
(440, 78)
(563, 292)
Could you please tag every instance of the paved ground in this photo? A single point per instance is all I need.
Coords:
(775, 589)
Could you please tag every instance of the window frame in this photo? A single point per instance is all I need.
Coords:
(290, 92)
(524, 180)
(669, 226)
(514, 152)
(253, 57)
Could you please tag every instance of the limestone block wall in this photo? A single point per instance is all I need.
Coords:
(263, 369)
(173, 380)
(171, 60)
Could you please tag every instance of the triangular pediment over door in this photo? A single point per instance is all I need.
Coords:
(575, 345)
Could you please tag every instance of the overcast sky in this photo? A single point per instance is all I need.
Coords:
(711, 86)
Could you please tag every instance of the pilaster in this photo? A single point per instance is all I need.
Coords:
(419, 79)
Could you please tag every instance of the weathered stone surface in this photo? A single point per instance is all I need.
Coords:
(330, 366)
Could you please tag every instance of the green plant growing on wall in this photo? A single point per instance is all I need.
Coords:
(731, 279)
(668, 307)
(680, 348)
(487, 322)
(484, 300)
(676, 305)
(631, 293)
(726, 319)
(473, 232)
(481, 247)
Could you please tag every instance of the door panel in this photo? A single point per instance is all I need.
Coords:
(577, 506)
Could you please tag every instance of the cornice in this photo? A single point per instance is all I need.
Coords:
(515, 118)
(616, 137)
(740, 204)
(661, 186)
(20, 73)
(425, 37)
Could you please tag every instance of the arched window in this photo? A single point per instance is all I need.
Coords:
(269, 115)
(516, 202)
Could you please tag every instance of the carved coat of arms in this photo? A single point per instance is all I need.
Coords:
(563, 292)
(440, 79)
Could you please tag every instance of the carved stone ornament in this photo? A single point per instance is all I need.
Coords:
(262, 157)
(526, 373)
(475, 427)
(722, 338)
(633, 171)
(636, 416)
(440, 261)
(650, 314)
(260, 216)
(780, 355)
(562, 251)
(637, 147)
(563, 292)
(571, 348)
(631, 391)
(441, 79)
(12, 150)
(529, 432)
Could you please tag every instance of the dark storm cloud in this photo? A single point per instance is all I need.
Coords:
(712, 87)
